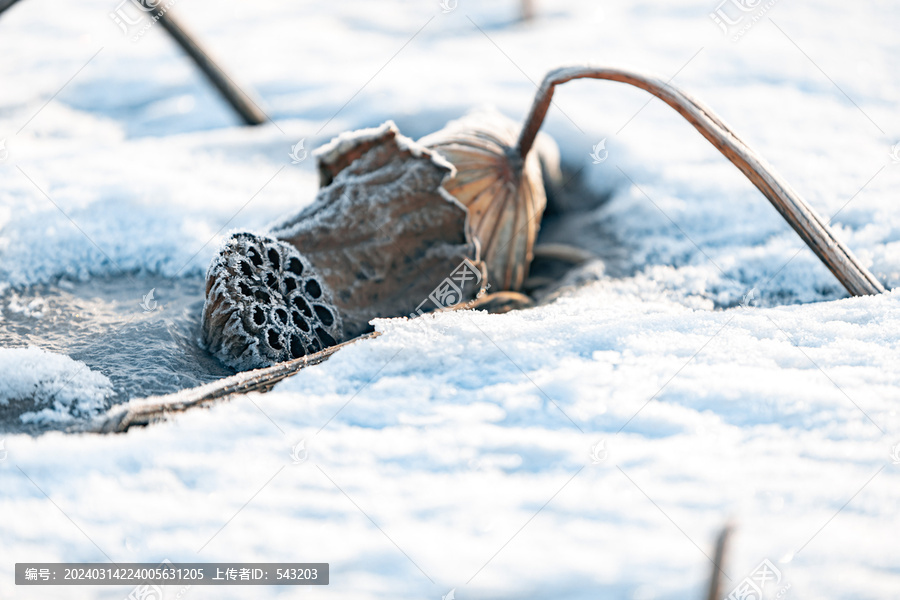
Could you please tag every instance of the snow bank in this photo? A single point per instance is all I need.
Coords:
(43, 386)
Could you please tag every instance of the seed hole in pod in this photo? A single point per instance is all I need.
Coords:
(299, 321)
(262, 296)
(324, 315)
(272, 281)
(295, 266)
(272, 338)
(246, 269)
(259, 316)
(281, 315)
(290, 284)
(255, 258)
(274, 258)
(302, 306)
(326, 339)
(245, 289)
(313, 288)
(297, 347)
(314, 346)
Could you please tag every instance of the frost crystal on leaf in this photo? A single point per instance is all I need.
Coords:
(382, 231)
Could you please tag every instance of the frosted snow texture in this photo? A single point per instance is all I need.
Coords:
(41, 386)
(346, 141)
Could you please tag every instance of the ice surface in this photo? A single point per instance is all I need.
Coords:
(450, 437)
(145, 344)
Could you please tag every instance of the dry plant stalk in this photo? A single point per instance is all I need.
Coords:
(720, 557)
(144, 411)
(795, 210)
(499, 180)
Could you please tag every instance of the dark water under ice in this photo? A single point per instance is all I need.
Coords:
(103, 324)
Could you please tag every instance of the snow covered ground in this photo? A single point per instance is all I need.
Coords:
(466, 453)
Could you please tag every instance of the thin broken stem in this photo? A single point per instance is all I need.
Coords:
(144, 411)
(715, 591)
(793, 208)
(240, 101)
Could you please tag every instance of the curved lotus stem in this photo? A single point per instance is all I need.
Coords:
(801, 216)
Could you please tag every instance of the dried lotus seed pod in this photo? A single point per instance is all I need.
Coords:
(265, 303)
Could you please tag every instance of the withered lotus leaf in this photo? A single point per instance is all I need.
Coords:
(382, 232)
(379, 238)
